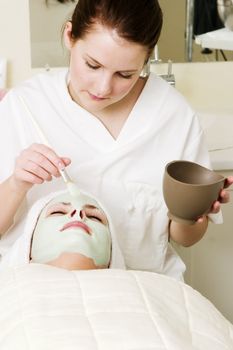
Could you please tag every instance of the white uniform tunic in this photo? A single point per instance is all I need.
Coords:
(125, 174)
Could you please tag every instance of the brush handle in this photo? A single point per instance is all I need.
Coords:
(34, 122)
(43, 138)
(64, 175)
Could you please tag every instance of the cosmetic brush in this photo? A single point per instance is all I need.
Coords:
(71, 186)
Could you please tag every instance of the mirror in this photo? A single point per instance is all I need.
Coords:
(172, 40)
(47, 48)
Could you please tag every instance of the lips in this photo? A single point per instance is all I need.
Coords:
(76, 224)
(96, 98)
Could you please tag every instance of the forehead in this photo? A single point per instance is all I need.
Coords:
(101, 42)
(80, 199)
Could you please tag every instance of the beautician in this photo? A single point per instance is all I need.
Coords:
(114, 130)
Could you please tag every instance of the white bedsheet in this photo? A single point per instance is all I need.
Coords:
(45, 308)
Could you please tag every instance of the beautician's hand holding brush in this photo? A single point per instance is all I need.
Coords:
(39, 162)
(34, 165)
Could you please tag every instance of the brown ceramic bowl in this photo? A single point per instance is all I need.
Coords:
(189, 190)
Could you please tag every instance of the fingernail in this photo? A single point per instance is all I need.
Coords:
(61, 165)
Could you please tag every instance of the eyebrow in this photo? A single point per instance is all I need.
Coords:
(125, 71)
(57, 203)
(89, 206)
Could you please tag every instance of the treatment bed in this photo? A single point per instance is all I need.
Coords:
(46, 308)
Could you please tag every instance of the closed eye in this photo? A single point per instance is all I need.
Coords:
(95, 214)
(125, 76)
(92, 66)
(57, 213)
(94, 218)
(58, 209)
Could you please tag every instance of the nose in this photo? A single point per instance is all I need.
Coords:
(81, 214)
(105, 85)
(73, 213)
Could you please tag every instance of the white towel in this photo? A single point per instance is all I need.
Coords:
(19, 253)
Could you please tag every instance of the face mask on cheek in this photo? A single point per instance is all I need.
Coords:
(56, 234)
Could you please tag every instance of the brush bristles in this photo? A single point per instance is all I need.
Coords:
(73, 189)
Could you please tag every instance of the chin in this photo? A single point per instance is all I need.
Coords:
(75, 261)
(94, 107)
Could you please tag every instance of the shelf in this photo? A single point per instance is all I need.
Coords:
(221, 39)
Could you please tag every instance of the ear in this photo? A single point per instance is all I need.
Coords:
(67, 35)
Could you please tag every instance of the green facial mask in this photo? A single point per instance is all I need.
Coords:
(74, 224)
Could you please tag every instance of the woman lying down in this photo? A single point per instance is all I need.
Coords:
(45, 307)
(67, 231)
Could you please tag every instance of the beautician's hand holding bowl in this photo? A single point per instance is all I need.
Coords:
(192, 191)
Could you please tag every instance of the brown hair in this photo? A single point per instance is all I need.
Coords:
(139, 21)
